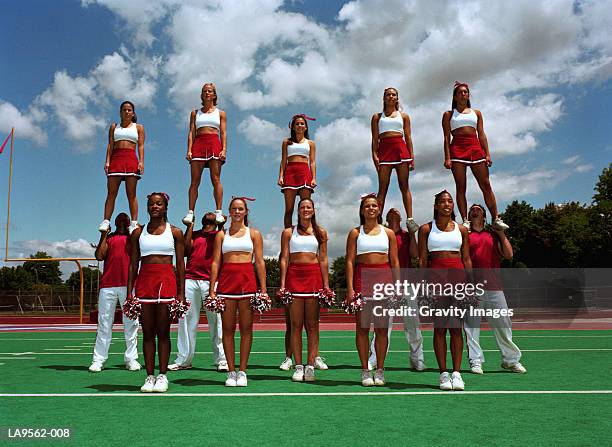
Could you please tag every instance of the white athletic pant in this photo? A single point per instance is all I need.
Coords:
(413, 335)
(501, 328)
(195, 292)
(107, 303)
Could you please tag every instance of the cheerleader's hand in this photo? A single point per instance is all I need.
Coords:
(180, 298)
(106, 167)
(189, 156)
(281, 181)
(376, 161)
(448, 163)
(141, 167)
(223, 155)
(488, 161)
(411, 165)
(349, 298)
(313, 183)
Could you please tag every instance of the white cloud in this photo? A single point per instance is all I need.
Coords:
(581, 169)
(25, 124)
(79, 248)
(571, 160)
(260, 132)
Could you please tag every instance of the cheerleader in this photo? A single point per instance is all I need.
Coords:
(114, 250)
(154, 245)
(298, 170)
(465, 143)
(444, 244)
(234, 252)
(371, 257)
(206, 148)
(121, 163)
(303, 273)
(406, 252)
(392, 149)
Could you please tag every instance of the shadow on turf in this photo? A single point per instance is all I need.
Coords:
(106, 388)
(198, 382)
(68, 367)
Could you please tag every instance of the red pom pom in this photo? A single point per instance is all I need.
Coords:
(261, 302)
(178, 309)
(216, 305)
(355, 305)
(132, 308)
(327, 298)
(284, 296)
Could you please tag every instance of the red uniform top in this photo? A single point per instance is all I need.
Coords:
(200, 260)
(116, 262)
(485, 255)
(404, 239)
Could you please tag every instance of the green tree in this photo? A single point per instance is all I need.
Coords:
(90, 280)
(337, 277)
(44, 272)
(15, 278)
(272, 272)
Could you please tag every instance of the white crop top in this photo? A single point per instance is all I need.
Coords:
(439, 240)
(303, 244)
(463, 119)
(242, 244)
(388, 124)
(156, 244)
(129, 133)
(302, 149)
(212, 119)
(378, 243)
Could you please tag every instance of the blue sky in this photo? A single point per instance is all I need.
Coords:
(541, 79)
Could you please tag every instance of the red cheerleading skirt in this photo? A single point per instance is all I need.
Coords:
(366, 275)
(466, 149)
(236, 281)
(304, 280)
(393, 151)
(297, 176)
(206, 147)
(454, 271)
(155, 283)
(123, 163)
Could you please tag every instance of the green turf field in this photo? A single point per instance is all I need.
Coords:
(564, 399)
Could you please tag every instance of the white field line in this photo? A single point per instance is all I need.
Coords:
(322, 394)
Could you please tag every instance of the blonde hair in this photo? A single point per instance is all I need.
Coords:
(214, 90)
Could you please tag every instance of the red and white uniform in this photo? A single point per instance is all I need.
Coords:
(207, 146)
(113, 289)
(197, 286)
(297, 174)
(303, 280)
(485, 256)
(237, 279)
(392, 150)
(465, 148)
(156, 283)
(123, 161)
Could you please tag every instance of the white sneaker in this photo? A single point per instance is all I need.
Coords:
(161, 384)
(241, 379)
(412, 226)
(466, 224)
(96, 367)
(379, 377)
(298, 375)
(231, 379)
(148, 385)
(476, 369)
(371, 364)
(222, 366)
(287, 364)
(133, 365)
(319, 363)
(516, 367)
(498, 224)
(104, 226)
(419, 365)
(309, 373)
(457, 381)
(219, 217)
(188, 219)
(176, 366)
(445, 382)
(366, 378)
(133, 226)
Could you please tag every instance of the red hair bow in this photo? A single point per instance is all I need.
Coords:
(459, 84)
(250, 199)
(368, 195)
(301, 115)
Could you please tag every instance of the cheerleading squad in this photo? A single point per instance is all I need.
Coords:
(225, 272)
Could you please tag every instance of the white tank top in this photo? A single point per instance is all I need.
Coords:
(212, 119)
(302, 149)
(378, 243)
(156, 244)
(129, 133)
(439, 240)
(463, 120)
(241, 244)
(303, 244)
(387, 124)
